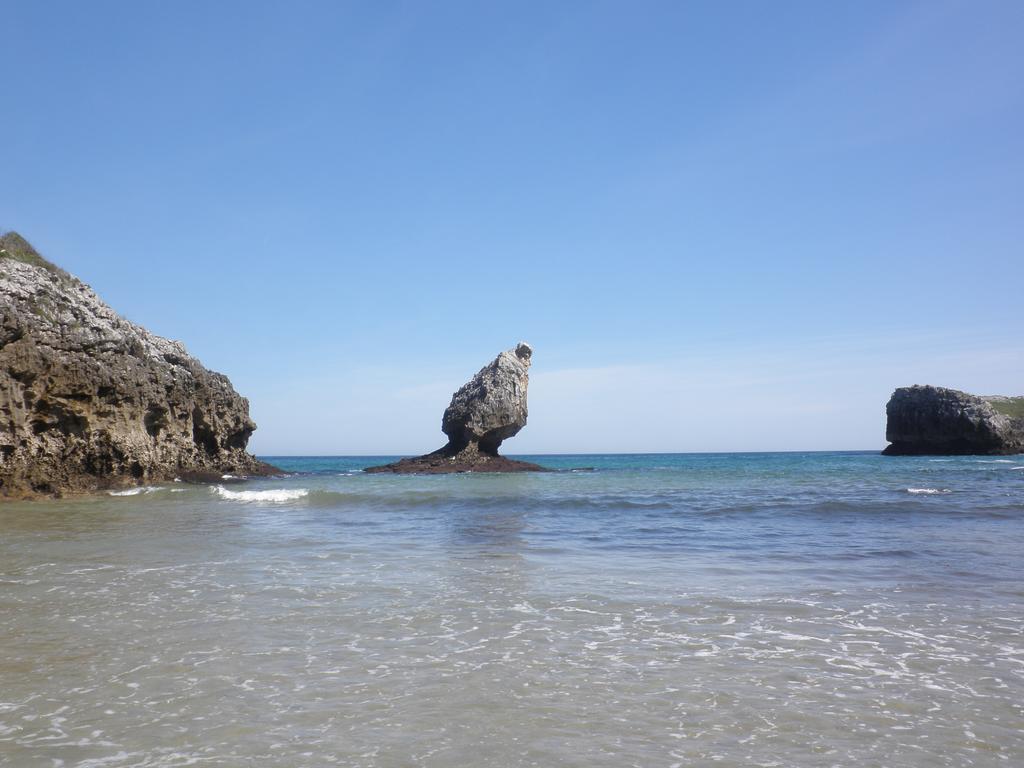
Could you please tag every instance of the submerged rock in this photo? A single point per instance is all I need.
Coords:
(926, 420)
(488, 409)
(89, 400)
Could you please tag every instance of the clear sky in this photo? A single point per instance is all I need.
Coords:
(722, 225)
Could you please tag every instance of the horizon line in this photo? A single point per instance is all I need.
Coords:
(587, 453)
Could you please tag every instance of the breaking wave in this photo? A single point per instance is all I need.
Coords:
(273, 495)
(928, 491)
(134, 491)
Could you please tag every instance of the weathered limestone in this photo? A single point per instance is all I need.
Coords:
(89, 400)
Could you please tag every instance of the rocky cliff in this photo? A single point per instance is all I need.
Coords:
(89, 400)
(922, 420)
(488, 409)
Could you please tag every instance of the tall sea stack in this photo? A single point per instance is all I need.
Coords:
(488, 409)
(89, 400)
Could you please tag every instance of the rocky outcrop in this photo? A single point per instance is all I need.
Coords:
(485, 411)
(926, 420)
(89, 400)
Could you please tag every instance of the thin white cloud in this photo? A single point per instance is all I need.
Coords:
(823, 395)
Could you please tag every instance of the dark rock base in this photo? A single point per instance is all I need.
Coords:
(947, 449)
(449, 460)
(208, 477)
(87, 485)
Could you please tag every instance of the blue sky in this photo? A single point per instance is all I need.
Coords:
(723, 226)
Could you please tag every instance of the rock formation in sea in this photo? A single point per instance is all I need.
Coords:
(488, 409)
(926, 420)
(89, 400)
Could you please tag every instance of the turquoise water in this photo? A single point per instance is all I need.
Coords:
(728, 609)
(756, 520)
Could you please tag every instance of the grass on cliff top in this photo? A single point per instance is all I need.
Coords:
(1012, 407)
(14, 246)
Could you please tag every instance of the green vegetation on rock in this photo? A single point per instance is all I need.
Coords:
(15, 247)
(1008, 406)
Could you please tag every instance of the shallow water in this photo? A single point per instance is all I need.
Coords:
(735, 609)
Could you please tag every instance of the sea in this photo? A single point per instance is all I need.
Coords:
(746, 609)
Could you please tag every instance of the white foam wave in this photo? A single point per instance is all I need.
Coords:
(273, 495)
(134, 491)
(929, 491)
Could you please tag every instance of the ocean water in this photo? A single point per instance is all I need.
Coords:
(820, 609)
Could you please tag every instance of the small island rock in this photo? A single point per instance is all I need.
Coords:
(488, 409)
(927, 420)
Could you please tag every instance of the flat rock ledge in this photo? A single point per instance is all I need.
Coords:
(923, 420)
(484, 412)
(443, 462)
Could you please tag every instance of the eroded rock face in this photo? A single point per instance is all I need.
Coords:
(89, 400)
(926, 420)
(488, 409)
(491, 406)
